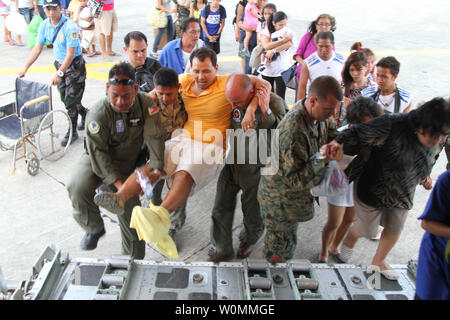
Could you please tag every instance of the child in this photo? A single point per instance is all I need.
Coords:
(370, 56)
(87, 25)
(7, 37)
(341, 210)
(433, 268)
(251, 21)
(212, 21)
(354, 80)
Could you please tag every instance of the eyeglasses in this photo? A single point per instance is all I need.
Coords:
(125, 82)
(324, 24)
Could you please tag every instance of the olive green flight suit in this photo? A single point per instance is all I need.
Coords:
(113, 141)
(236, 176)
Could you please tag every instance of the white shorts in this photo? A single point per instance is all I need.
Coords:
(89, 37)
(343, 200)
(203, 161)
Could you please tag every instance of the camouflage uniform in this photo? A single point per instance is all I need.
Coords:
(235, 177)
(113, 141)
(171, 120)
(285, 197)
(71, 88)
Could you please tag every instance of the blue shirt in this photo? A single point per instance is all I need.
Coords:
(172, 56)
(213, 20)
(68, 37)
(433, 269)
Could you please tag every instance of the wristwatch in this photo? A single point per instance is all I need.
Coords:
(60, 73)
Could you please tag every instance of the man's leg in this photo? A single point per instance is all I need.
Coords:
(387, 241)
(179, 191)
(222, 216)
(81, 193)
(131, 245)
(253, 222)
(102, 41)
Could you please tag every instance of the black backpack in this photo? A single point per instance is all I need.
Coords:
(235, 10)
(208, 10)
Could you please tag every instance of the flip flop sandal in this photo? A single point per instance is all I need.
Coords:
(113, 54)
(90, 55)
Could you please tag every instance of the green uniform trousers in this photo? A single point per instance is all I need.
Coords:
(232, 179)
(86, 213)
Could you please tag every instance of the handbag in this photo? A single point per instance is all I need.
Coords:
(96, 7)
(334, 182)
(255, 57)
(157, 18)
(289, 78)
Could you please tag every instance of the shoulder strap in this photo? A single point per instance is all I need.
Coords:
(57, 31)
(306, 46)
(207, 10)
(397, 100)
(222, 11)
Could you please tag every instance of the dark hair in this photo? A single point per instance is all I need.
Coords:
(135, 35)
(312, 27)
(271, 6)
(325, 35)
(323, 86)
(362, 107)
(357, 46)
(203, 53)
(391, 63)
(195, 3)
(122, 69)
(274, 18)
(356, 58)
(166, 77)
(184, 25)
(367, 52)
(433, 117)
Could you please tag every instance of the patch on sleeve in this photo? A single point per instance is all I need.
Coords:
(74, 35)
(236, 115)
(153, 110)
(93, 127)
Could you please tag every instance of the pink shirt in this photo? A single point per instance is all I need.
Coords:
(250, 21)
(108, 5)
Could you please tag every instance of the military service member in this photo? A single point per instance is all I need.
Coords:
(116, 129)
(70, 76)
(285, 197)
(242, 175)
(145, 67)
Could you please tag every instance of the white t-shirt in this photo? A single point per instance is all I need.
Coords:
(85, 13)
(332, 67)
(284, 60)
(23, 3)
(186, 55)
(405, 98)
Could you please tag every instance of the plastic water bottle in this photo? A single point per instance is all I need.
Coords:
(145, 184)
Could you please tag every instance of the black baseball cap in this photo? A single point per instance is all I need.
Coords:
(51, 3)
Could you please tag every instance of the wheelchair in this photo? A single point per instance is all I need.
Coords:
(30, 127)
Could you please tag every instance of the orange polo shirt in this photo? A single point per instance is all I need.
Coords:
(208, 111)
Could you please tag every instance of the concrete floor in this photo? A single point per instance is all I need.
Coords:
(35, 211)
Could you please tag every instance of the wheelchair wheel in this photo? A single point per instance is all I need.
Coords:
(54, 126)
(33, 164)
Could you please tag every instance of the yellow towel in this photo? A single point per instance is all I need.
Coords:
(152, 224)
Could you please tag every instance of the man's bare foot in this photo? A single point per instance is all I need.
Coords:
(110, 201)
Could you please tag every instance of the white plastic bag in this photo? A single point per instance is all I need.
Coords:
(15, 22)
(334, 182)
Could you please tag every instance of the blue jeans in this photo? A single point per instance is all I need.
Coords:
(170, 33)
(27, 13)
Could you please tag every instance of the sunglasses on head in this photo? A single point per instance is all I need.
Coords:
(125, 82)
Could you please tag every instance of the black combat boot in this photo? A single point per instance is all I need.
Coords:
(65, 140)
(82, 112)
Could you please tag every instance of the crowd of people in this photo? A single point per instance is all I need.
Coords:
(167, 114)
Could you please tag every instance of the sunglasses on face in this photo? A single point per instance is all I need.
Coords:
(125, 82)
